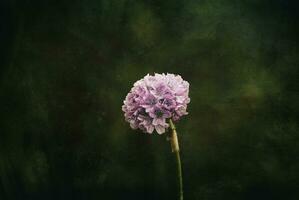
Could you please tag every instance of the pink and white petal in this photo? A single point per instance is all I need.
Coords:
(150, 129)
(158, 121)
(160, 129)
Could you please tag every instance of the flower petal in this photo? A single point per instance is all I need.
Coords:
(160, 129)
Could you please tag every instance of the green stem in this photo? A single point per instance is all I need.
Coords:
(175, 149)
(180, 177)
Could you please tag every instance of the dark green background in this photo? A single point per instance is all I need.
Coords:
(68, 65)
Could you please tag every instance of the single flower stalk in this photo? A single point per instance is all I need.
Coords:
(156, 103)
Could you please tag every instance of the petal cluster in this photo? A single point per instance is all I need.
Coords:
(154, 99)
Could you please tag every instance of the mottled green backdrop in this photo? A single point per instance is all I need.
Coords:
(66, 67)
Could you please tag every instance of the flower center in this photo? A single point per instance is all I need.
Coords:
(167, 102)
(159, 113)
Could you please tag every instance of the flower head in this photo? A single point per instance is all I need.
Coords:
(154, 99)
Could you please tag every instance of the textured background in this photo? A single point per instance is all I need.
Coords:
(68, 65)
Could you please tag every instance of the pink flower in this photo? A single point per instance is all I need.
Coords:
(154, 99)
